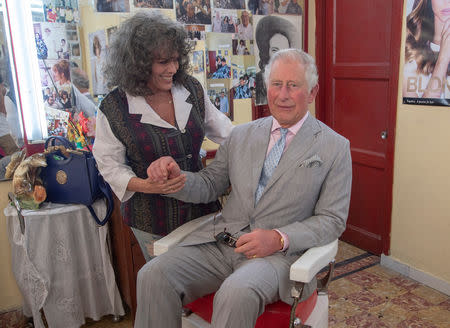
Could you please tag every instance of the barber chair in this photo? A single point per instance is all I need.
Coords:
(312, 312)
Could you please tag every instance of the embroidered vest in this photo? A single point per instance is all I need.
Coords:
(144, 144)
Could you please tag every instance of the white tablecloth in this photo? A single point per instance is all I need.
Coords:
(62, 264)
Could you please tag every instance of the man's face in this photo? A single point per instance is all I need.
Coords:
(245, 18)
(222, 95)
(242, 82)
(287, 92)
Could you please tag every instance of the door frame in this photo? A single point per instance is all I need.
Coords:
(321, 113)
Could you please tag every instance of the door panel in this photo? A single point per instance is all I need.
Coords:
(358, 50)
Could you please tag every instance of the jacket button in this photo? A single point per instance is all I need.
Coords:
(189, 156)
(183, 130)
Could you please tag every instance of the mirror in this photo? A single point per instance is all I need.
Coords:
(11, 132)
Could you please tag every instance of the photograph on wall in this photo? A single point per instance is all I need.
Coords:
(426, 70)
(224, 21)
(112, 5)
(243, 81)
(244, 27)
(219, 65)
(57, 121)
(193, 11)
(73, 40)
(56, 84)
(268, 7)
(97, 51)
(218, 93)
(219, 52)
(198, 62)
(61, 11)
(109, 32)
(273, 33)
(51, 40)
(196, 32)
(229, 4)
(242, 47)
(161, 4)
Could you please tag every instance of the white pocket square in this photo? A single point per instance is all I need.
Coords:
(313, 161)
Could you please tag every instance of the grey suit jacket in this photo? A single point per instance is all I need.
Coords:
(307, 196)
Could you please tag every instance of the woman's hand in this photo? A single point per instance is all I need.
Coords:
(149, 186)
(169, 186)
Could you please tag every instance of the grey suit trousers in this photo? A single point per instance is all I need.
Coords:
(186, 273)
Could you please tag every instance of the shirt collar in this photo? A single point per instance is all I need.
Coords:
(138, 105)
(293, 129)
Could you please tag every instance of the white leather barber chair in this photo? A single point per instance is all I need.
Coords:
(310, 313)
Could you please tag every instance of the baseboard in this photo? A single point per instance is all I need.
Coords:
(415, 274)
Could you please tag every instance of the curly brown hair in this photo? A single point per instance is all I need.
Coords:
(139, 41)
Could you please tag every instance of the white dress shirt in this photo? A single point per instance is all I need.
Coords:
(110, 153)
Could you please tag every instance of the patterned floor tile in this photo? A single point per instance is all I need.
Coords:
(364, 279)
(342, 309)
(365, 320)
(382, 272)
(415, 322)
(392, 314)
(430, 294)
(445, 305)
(436, 316)
(404, 282)
(343, 287)
(386, 289)
(347, 251)
(411, 302)
(365, 299)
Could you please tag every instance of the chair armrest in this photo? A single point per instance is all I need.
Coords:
(172, 239)
(312, 261)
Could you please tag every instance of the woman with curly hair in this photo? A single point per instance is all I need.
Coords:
(156, 109)
(427, 52)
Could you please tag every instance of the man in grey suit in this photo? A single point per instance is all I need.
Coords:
(277, 208)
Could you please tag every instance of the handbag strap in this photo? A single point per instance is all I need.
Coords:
(107, 192)
(51, 141)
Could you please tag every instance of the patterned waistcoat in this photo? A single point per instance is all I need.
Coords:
(145, 143)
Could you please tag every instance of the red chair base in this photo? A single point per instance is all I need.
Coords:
(276, 315)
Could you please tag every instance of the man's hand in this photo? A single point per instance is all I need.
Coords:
(162, 169)
(259, 243)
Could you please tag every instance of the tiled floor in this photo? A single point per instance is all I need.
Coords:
(364, 294)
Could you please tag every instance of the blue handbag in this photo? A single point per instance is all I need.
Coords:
(72, 177)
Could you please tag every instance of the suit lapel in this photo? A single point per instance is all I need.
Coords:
(302, 142)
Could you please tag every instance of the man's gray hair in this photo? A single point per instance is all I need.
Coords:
(299, 56)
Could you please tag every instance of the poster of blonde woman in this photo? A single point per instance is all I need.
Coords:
(427, 53)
